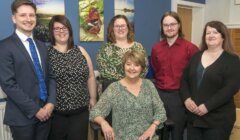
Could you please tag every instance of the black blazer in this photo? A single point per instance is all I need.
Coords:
(220, 82)
(19, 81)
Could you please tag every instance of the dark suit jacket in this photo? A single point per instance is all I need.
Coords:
(219, 83)
(19, 81)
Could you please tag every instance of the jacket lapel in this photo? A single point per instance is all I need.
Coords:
(23, 50)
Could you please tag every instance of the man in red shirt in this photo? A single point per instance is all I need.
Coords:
(169, 57)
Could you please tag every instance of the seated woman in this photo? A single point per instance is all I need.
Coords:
(137, 110)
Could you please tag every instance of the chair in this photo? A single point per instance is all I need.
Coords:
(163, 133)
(96, 128)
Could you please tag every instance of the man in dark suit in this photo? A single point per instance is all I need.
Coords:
(26, 78)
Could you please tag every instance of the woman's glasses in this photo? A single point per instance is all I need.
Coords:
(59, 29)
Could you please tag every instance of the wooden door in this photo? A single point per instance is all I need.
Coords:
(235, 37)
(185, 13)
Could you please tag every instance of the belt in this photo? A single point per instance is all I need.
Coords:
(167, 90)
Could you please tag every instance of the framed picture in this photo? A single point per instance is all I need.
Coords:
(125, 7)
(91, 14)
(46, 9)
(237, 2)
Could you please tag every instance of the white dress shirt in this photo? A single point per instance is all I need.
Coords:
(24, 38)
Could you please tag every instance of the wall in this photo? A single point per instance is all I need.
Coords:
(228, 15)
(6, 27)
(198, 25)
(234, 11)
(214, 10)
(147, 20)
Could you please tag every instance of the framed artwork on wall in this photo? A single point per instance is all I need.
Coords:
(45, 10)
(91, 20)
(237, 2)
(125, 7)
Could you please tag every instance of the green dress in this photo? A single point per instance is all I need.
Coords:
(131, 115)
(109, 60)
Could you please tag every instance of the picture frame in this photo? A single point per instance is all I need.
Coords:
(237, 2)
(91, 13)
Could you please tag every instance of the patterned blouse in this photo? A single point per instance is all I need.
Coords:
(131, 115)
(109, 60)
(72, 73)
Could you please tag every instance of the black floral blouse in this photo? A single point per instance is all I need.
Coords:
(72, 73)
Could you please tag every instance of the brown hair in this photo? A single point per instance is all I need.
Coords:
(222, 29)
(177, 18)
(110, 33)
(17, 3)
(136, 56)
(63, 20)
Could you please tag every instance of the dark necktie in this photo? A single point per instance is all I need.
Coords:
(39, 71)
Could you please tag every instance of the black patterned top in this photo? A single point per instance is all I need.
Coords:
(72, 73)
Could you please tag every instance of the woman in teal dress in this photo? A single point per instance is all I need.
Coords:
(137, 110)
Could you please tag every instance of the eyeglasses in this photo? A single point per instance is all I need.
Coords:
(169, 25)
(59, 29)
(123, 26)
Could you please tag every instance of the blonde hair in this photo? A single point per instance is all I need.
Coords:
(137, 57)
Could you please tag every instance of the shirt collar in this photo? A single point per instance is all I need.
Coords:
(22, 36)
(177, 42)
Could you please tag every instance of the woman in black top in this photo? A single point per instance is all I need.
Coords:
(75, 81)
(208, 85)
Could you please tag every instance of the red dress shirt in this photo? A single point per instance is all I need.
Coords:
(168, 62)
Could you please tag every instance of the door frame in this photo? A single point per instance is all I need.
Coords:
(197, 18)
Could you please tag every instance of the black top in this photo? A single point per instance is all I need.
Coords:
(72, 73)
(200, 73)
(216, 90)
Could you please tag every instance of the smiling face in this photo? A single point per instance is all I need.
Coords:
(60, 33)
(25, 19)
(170, 27)
(120, 29)
(213, 38)
(132, 70)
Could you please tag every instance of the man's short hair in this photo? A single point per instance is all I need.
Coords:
(17, 3)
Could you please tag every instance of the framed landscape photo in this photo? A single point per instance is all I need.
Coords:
(45, 10)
